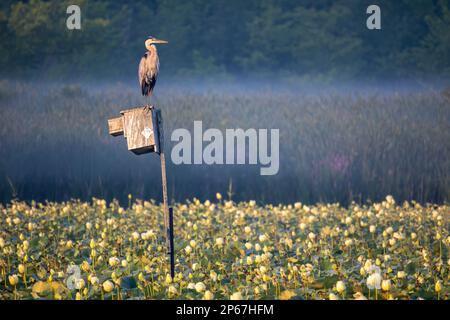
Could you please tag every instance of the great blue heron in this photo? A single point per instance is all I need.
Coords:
(149, 66)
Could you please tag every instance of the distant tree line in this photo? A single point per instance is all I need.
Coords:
(309, 38)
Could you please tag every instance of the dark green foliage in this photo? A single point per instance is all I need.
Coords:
(327, 39)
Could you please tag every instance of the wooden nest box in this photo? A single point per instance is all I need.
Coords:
(140, 126)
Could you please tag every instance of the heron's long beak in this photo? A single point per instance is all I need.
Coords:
(160, 41)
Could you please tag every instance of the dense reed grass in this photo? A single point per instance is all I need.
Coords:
(334, 146)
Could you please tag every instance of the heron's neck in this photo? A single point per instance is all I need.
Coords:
(152, 48)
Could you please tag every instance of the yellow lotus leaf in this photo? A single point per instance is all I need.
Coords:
(287, 294)
(145, 260)
(35, 295)
(57, 286)
(41, 287)
(317, 285)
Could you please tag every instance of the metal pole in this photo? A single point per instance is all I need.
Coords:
(166, 204)
(164, 181)
(168, 212)
(172, 248)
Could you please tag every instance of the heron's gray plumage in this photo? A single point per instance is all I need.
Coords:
(148, 70)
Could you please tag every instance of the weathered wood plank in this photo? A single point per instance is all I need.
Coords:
(139, 130)
(115, 126)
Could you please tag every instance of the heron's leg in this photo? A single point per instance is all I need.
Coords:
(150, 102)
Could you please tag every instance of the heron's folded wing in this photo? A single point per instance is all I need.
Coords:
(141, 71)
